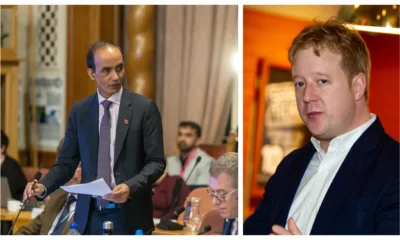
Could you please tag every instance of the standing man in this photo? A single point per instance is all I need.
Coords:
(188, 140)
(223, 188)
(346, 180)
(117, 135)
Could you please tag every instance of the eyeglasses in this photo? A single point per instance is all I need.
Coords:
(218, 197)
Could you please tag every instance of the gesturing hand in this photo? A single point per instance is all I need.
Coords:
(119, 194)
(293, 229)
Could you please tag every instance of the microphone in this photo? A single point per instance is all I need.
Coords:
(167, 224)
(197, 162)
(178, 211)
(36, 179)
(205, 229)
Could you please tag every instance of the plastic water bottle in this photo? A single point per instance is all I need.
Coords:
(73, 229)
(139, 232)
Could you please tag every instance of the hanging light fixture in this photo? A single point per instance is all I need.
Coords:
(372, 18)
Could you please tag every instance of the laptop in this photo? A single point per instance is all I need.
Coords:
(5, 192)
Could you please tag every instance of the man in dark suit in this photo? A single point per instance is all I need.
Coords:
(346, 181)
(58, 213)
(117, 135)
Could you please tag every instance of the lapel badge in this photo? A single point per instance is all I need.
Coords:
(126, 121)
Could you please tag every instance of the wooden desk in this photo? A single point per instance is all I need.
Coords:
(158, 231)
(23, 219)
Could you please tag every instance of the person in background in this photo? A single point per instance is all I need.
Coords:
(12, 171)
(223, 188)
(58, 213)
(188, 140)
(170, 193)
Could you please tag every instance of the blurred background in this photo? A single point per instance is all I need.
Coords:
(182, 57)
(271, 123)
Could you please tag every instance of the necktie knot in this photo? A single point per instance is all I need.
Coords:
(106, 104)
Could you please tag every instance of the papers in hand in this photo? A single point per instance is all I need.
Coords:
(95, 188)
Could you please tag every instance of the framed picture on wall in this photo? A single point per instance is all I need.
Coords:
(280, 129)
(8, 40)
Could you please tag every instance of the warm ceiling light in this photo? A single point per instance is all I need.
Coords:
(383, 12)
(394, 7)
(378, 17)
(356, 6)
(388, 30)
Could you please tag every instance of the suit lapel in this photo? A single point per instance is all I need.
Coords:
(361, 154)
(125, 112)
(93, 126)
(57, 204)
(292, 183)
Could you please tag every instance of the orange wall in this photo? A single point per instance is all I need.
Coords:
(268, 37)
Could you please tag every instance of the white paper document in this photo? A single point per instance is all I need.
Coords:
(95, 188)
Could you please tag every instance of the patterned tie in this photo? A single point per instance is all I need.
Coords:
(61, 221)
(104, 157)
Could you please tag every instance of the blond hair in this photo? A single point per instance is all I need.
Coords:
(338, 38)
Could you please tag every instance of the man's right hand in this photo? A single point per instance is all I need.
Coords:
(37, 190)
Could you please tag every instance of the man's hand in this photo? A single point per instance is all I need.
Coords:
(293, 229)
(119, 194)
(37, 190)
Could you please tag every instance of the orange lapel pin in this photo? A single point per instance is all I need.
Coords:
(126, 121)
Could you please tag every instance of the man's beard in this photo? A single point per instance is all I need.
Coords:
(184, 148)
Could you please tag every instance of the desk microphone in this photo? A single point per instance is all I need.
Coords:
(36, 178)
(166, 224)
(204, 230)
(190, 174)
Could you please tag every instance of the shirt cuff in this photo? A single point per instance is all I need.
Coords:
(44, 193)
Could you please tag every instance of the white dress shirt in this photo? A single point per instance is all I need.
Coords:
(319, 176)
(71, 210)
(114, 110)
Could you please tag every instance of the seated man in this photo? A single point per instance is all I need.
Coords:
(223, 188)
(188, 140)
(58, 213)
(12, 171)
(170, 192)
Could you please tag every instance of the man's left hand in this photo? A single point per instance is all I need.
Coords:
(119, 194)
(293, 229)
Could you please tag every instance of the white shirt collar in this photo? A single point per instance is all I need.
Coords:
(115, 98)
(344, 141)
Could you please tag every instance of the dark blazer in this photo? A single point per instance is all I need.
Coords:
(362, 199)
(16, 178)
(138, 160)
(41, 225)
(227, 228)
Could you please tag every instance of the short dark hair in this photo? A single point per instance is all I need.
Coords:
(92, 51)
(192, 125)
(4, 139)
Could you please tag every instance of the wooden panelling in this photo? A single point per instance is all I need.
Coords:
(87, 24)
(45, 159)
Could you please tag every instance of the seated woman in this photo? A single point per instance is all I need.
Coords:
(170, 192)
(12, 171)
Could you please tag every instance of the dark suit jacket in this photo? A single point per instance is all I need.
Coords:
(16, 178)
(138, 160)
(362, 199)
(227, 228)
(41, 225)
